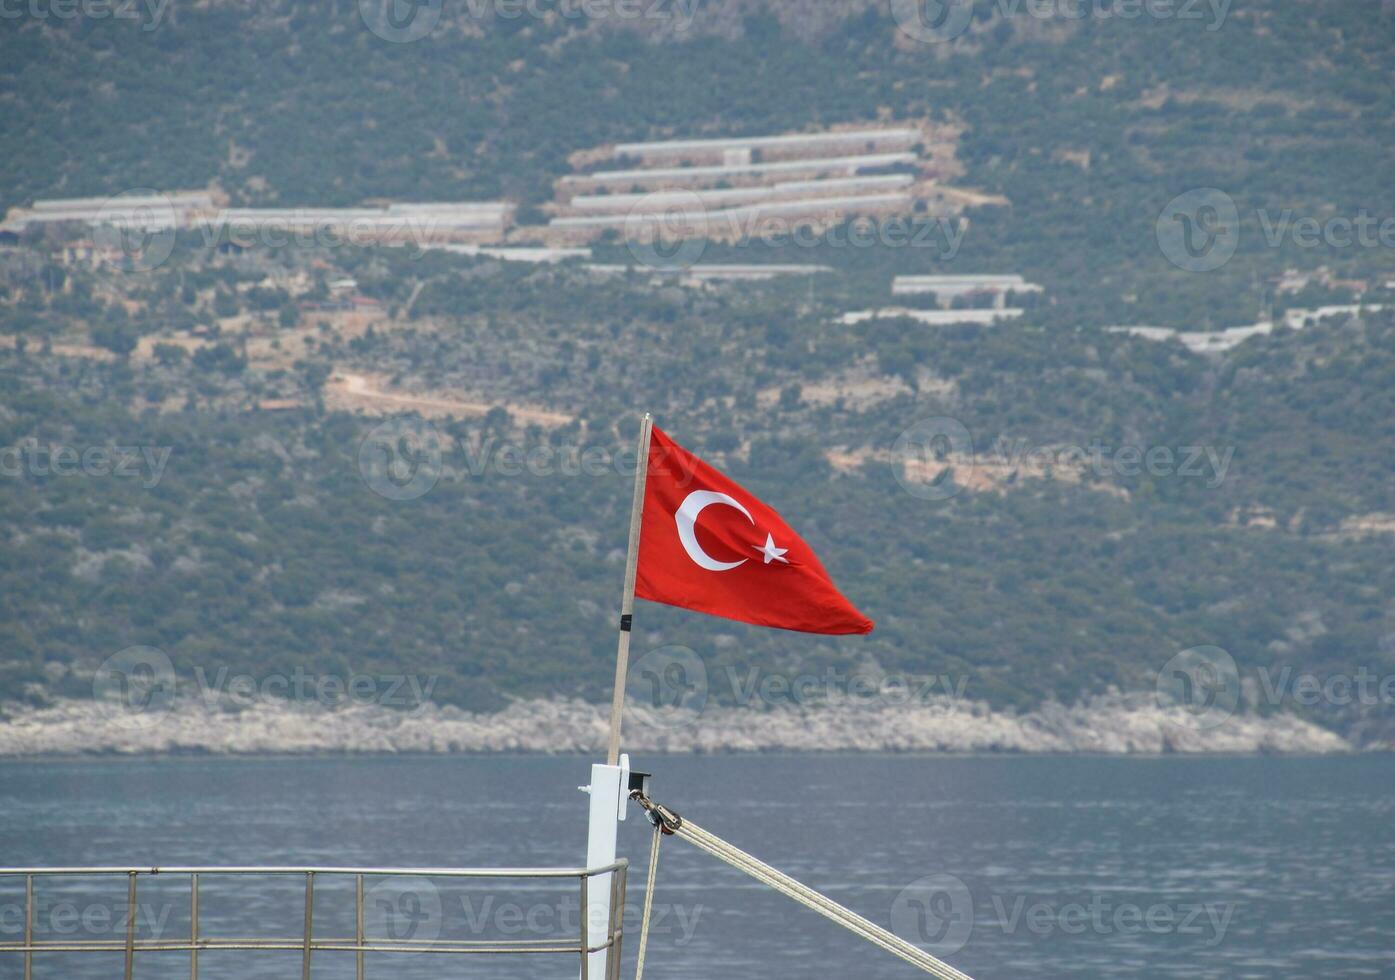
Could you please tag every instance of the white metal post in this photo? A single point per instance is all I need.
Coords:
(609, 797)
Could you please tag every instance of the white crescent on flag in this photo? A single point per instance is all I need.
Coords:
(686, 519)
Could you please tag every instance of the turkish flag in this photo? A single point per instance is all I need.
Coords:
(709, 545)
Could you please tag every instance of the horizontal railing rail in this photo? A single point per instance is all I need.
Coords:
(612, 877)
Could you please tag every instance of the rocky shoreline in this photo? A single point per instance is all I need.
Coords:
(1116, 725)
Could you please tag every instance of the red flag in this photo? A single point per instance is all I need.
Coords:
(709, 545)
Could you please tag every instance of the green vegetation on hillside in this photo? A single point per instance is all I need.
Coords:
(261, 545)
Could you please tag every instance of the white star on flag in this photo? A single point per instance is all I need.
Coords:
(771, 552)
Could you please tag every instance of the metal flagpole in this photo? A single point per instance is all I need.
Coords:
(610, 783)
(627, 601)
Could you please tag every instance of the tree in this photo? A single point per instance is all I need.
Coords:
(119, 338)
(170, 354)
(221, 358)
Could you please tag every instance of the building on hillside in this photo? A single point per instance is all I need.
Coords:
(1200, 342)
(947, 289)
(391, 224)
(702, 275)
(515, 253)
(1295, 281)
(743, 188)
(86, 252)
(394, 224)
(148, 212)
(934, 318)
(1219, 341)
(1297, 319)
(745, 149)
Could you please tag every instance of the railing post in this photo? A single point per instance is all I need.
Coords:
(309, 924)
(358, 919)
(616, 924)
(131, 925)
(585, 927)
(194, 927)
(28, 927)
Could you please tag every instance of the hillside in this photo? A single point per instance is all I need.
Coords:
(255, 528)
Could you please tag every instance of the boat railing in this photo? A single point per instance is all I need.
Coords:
(592, 882)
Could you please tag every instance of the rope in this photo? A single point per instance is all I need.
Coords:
(668, 822)
(649, 898)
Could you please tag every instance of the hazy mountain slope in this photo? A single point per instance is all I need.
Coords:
(249, 534)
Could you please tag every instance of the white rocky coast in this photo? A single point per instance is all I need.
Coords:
(1113, 725)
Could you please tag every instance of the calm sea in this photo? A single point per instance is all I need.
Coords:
(1010, 867)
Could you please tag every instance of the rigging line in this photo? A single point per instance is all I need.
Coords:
(649, 898)
(819, 903)
(668, 822)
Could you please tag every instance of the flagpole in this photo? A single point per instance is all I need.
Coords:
(627, 600)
